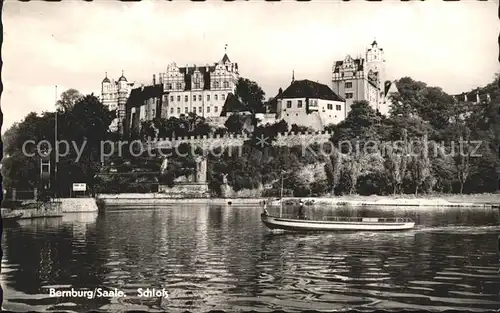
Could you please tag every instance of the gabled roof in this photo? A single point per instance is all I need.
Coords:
(309, 89)
(358, 63)
(232, 104)
(225, 58)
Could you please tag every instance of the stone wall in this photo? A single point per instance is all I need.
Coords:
(74, 205)
(36, 209)
(185, 190)
(212, 142)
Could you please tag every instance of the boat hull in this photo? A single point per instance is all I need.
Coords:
(317, 225)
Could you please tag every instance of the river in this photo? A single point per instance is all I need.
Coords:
(222, 257)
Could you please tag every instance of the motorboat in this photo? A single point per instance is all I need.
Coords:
(336, 223)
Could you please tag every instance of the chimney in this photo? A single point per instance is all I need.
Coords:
(154, 79)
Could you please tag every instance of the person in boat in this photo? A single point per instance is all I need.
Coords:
(302, 211)
(265, 208)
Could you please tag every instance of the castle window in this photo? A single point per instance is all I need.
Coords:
(226, 84)
(216, 84)
(168, 86)
(215, 109)
(179, 86)
(208, 109)
(208, 97)
(194, 109)
(171, 110)
(196, 85)
(186, 98)
(330, 106)
(194, 97)
(348, 95)
(199, 97)
(223, 97)
(216, 98)
(178, 110)
(200, 109)
(348, 85)
(338, 107)
(153, 112)
(299, 104)
(178, 98)
(186, 110)
(289, 104)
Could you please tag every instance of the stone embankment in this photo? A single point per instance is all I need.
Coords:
(150, 200)
(78, 205)
(56, 207)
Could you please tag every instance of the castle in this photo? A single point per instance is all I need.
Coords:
(114, 95)
(209, 91)
(363, 79)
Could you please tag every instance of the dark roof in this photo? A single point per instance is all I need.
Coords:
(122, 78)
(232, 104)
(357, 62)
(225, 58)
(387, 86)
(139, 95)
(106, 80)
(204, 72)
(374, 43)
(309, 89)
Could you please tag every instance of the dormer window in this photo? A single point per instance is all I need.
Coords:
(178, 86)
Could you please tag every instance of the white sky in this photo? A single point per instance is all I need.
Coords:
(71, 44)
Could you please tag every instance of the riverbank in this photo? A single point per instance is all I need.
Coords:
(153, 199)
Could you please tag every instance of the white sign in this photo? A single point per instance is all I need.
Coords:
(79, 186)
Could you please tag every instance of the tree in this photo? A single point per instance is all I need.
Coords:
(361, 124)
(420, 166)
(68, 99)
(250, 94)
(86, 126)
(235, 123)
(333, 170)
(301, 129)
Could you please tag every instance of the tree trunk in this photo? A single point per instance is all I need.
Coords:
(416, 190)
(461, 187)
(395, 189)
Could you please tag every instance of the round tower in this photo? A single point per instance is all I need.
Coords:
(375, 61)
(122, 99)
(105, 87)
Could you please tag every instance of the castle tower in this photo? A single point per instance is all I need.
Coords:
(106, 91)
(123, 92)
(375, 62)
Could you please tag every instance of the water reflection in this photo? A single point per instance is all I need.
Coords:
(222, 257)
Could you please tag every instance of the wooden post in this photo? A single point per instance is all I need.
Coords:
(35, 193)
(14, 194)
